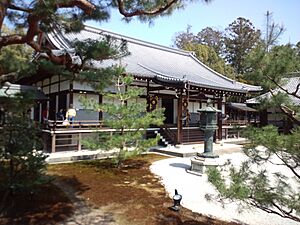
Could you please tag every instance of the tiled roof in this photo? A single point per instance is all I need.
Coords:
(11, 90)
(151, 60)
(241, 107)
(290, 84)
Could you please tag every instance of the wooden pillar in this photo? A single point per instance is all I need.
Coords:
(179, 119)
(219, 135)
(71, 94)
(148, 96)
(53, 144)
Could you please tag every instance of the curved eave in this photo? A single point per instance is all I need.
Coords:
(167, 66)
(165, 79)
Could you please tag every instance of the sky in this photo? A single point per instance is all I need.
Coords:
(217, 14)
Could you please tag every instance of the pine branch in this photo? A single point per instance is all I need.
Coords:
(8, 77)
(289, 113)
(18, 8)
(294, 93)
(84, 5)
(288, 165)
(254, 203)
(297, 89)
(139, 12)
(34, 18)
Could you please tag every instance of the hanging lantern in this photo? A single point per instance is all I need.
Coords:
(185, 103)
(152, 102)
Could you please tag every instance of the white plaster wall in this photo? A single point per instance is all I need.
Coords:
(137, 100)
(65, 85)
(54, 88)
(113, 89)
(82, 113)
(76, 99)
(54, 78)
(82, 86)
(109, 101)
(46, 90)
(46, 81)
(193, 106)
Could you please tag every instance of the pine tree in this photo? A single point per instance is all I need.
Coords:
(22, 167)
(129, 118)
(252, 184)
(37, 17)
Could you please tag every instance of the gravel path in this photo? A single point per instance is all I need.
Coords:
(193, 189)
(84, 213)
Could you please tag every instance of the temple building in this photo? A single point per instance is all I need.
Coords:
(290, 86)
(173, 79)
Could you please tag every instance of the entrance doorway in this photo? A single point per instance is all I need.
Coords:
(168, 104)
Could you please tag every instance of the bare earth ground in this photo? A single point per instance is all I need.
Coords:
(93, 192)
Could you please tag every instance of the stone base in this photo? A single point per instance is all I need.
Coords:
(200, 164)
(207, 155)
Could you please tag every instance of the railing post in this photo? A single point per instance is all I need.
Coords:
(53, 143)
(79, 142)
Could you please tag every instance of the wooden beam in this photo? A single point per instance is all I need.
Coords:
(71, 94)
(157, 88)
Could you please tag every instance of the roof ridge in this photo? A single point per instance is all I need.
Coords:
(207, 67)
(138, 41)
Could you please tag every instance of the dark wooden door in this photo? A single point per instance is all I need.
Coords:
(62, 102)
(52, 106)
(168, 104)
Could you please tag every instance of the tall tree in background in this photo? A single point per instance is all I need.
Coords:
(184, 37)
(240, 38)
(273, 31)
(207, 36)
(209, 57)
(207, 46)
(268, 64)
(212, 38)
(253, 183)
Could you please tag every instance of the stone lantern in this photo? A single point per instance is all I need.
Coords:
(208, 123)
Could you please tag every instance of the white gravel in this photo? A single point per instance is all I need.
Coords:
(193, 188)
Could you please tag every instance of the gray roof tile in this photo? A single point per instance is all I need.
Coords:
(151, 60)
(289, 83)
